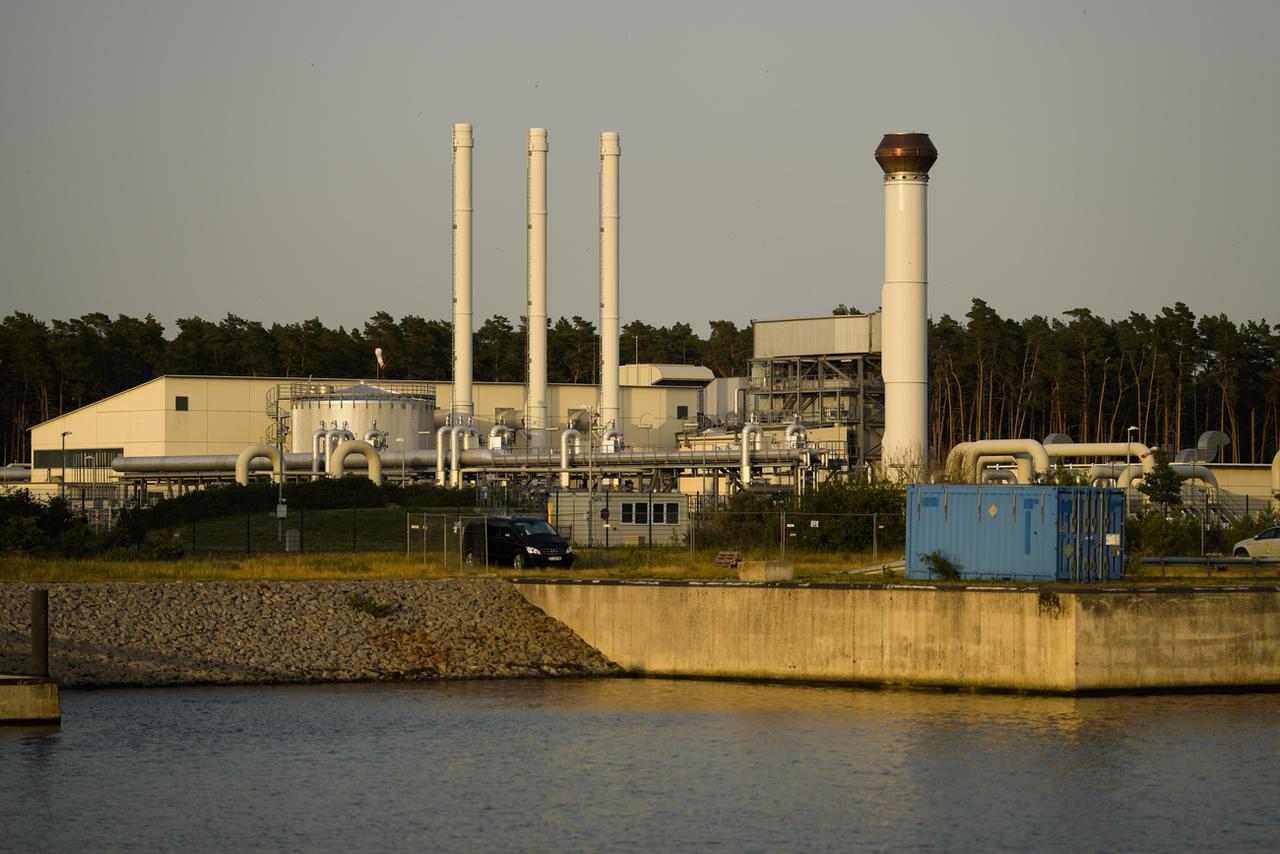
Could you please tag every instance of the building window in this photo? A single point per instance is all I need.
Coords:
(682, 412)
(180, 403)
(641, 512)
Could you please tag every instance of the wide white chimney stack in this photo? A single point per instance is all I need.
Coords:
(905, 159)
(536, 415)
(463, 404)
(610, 152)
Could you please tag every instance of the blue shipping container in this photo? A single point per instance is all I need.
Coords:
(1019, 533)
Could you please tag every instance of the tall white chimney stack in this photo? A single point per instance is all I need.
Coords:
(610, 152)
(536, 414)
(905, 159)
(463, 405)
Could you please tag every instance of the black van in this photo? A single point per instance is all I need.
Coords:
(517, 541)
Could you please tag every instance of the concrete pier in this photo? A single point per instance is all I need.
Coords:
(1039, 639)
(27, 700)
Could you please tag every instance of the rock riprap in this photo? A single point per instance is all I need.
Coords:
(184, 633)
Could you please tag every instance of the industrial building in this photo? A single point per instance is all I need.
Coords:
(825, 394)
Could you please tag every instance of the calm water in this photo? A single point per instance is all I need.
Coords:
(640, 765)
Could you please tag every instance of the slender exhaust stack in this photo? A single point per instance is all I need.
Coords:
(610, 151)
(905, 159)
(463, 406)
(536, 416)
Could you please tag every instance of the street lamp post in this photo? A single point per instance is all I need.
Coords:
(1128, 452)
(62, 487)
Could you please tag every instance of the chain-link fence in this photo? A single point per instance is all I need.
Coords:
(308, 531)
(466, 538)
(780, 534)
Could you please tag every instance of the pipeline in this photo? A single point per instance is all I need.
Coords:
(446, 430)
(750, 429)
(499, 435)
(337, 460)
(1136, 450)
(15, 474)
(318, 456)
(797, 435)
(252, 452)
(568, 434)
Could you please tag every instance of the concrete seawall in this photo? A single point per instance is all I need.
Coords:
(1023, 639)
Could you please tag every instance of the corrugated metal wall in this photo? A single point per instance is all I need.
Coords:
(1020, 533)
(806, 336)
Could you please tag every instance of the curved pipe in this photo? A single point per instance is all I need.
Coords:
(1112, 471)
(568, 434)
(252, 452)
(1021, 463)
(499, 435)
(1188, 471)
(1134, 450)
(468, 433)
(998, 475)
(756, 433)
(954, 466)
(1030, 447)
(611, 441)
(376, 437)
(797, 435)
(332, 438)
(317, 455)
(337, 460)
(457, 437)
(446, 430)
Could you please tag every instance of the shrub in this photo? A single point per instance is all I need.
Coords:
(941, 566)
(373, 608)
(1154, 533)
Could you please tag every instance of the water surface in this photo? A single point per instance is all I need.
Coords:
(639, 765)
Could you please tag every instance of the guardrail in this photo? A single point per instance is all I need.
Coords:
(1212, 563)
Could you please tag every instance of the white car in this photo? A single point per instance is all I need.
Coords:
(1265, 544)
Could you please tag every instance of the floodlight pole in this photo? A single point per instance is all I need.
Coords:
(62, 487)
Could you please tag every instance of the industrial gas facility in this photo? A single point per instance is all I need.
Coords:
(826, 396)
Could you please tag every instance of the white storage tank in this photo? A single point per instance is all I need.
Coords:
(401, 411)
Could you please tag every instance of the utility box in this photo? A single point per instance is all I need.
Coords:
(1015, 533)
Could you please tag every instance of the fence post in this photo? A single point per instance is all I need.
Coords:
(782, 538)
(302, 529)
(353, 522)
(248, 520)
(875, 538)
(693, 529)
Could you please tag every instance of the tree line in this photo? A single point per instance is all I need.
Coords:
(48, 368)
(1172, 374)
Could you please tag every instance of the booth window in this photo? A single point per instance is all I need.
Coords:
(180, 403)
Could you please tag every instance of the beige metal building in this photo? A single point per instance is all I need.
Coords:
(198, 415)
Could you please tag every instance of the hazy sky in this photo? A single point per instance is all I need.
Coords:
(284, 160)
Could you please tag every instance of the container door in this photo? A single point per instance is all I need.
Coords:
(1068, 535)
(1114, 534)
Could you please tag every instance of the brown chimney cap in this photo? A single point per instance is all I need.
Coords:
(906, 152)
